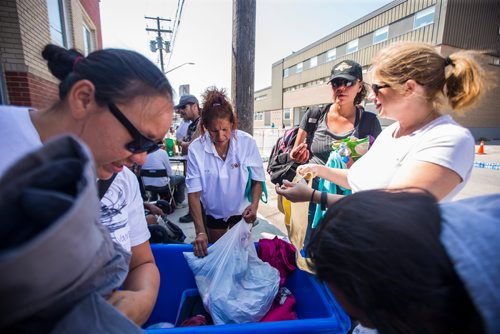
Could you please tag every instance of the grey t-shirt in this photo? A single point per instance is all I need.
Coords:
(323, 137)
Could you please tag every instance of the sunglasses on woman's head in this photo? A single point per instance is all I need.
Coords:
(140, 143)
(336, 83)
(376, 88)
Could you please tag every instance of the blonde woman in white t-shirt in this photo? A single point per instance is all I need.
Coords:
(412, 84)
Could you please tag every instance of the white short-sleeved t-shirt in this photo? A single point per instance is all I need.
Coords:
(222, 183)
(122, 211)
(157, 160)
(442, 142)
(18, 136)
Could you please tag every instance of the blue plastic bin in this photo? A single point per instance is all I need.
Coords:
(317, 310)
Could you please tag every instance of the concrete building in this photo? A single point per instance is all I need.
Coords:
(26, 26)
(299, 80)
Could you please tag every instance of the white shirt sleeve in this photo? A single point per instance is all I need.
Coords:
(139, 232)
(193, 175)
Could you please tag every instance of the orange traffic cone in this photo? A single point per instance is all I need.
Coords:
(480, 150)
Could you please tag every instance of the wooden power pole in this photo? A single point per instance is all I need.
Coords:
(243, 62)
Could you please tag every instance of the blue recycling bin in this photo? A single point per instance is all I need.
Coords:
(317, 311)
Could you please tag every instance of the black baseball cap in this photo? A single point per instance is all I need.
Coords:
(347, 69)
(186, 99)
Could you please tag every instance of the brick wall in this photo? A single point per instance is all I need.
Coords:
(35, 33)
(92, 9)
(26, 89)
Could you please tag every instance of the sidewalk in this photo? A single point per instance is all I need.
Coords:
(483, 181)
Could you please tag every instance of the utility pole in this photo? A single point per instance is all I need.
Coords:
(243, 62)
(159, 44)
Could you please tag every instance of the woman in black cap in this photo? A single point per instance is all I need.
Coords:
(338, 120)
(416, 87)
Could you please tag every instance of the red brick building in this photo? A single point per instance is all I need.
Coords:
(25, 28)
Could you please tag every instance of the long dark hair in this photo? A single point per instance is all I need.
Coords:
(382, 249)
(118, 75)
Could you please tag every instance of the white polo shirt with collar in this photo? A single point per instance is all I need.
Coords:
(222, 183)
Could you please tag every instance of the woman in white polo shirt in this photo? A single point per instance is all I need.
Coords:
(220, 163)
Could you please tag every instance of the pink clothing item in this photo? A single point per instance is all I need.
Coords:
(282, 308)
(197, 320)
(279, 254)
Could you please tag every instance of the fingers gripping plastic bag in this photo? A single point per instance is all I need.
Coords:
(235, 285)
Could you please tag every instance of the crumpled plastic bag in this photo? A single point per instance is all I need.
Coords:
(234, 284)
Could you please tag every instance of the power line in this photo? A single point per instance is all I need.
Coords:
(177, 21)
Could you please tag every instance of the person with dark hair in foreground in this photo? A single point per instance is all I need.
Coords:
(402, 263)
(119, 104)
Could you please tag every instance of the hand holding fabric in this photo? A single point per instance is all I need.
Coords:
(294, 192)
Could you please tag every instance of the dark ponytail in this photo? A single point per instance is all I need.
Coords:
(117, 74)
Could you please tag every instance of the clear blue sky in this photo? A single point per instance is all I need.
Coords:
(204, 35)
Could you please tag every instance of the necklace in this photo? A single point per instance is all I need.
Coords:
(222, 152)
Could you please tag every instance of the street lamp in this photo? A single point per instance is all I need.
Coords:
(178, 67)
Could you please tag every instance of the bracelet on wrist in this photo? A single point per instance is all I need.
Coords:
(312, 196)
(324, 195)
(197, 234)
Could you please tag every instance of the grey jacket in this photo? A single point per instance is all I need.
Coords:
(55, 255)
(471, 235)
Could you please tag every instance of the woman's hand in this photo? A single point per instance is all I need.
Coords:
(300, 153)
(200, 244)
(308, 168)
(249, 214)
(294, 192)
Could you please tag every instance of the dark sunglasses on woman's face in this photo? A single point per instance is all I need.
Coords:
(140, 143)
(336, 83)
(376, 88)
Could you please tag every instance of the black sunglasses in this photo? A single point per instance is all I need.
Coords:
(336, 83)
(376, 88)
(140, 143)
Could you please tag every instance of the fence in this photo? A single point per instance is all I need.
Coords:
(266, 137)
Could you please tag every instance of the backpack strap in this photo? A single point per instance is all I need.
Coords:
(103, 185)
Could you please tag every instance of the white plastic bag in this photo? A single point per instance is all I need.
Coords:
(235, 285)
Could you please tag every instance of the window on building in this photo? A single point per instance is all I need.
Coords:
(88, 40)
(286, 72)
(352, 46)
(258, 116)
(287, 113)
(313, 62)
(57, 22)
(331, 55)
(260, 97)
(381, 35)
(299, 67)
(424, 17)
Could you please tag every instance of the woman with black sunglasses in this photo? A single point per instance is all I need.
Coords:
(412, 84)
(342, 118)
(120, 104)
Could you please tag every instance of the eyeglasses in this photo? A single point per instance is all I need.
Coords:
(376, 88)
(140, 143)
(336, 83)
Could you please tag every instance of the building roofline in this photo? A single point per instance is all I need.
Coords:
(345, 28)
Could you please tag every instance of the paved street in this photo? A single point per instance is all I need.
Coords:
(483, 181)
